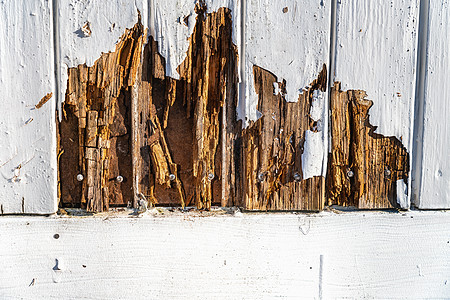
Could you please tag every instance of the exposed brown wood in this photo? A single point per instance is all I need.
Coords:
(209, 72)
(363, 166)
(96, 127)
(272, 148)
(171, 114)
(43, 100)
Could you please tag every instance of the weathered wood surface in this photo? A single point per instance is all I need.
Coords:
(433, 142)
(250, 256)
(286, 53)
(289, 40)
(366, 169)
(86, 29)
(376, 46)
(273, 148)
(28, 177)
(182, 118)
(99, 98)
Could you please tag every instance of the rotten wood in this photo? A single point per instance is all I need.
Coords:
(364, 167)
(96, 127)
(272, 147)
(179, 125)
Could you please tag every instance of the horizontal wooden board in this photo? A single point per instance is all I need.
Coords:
(28, 177)
(250, 256)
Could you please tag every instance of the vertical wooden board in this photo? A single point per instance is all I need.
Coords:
(86, 31)
(376, 45)
(286, 57)
(435, 185)
(27, 133)
(194, 93)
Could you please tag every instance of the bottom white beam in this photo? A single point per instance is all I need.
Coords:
(240, 256)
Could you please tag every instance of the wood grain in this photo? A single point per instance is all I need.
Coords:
(272, 149)
(364, 255)
(364, 167)
(100, 98)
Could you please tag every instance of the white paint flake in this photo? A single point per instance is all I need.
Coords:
(313, 155)
(402, 194)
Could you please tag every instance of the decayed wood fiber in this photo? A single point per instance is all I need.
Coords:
(182, 118)
(210, 76)
(177, 142)
(95, 130)
(272, 148)
(363, 166)
(177, 124)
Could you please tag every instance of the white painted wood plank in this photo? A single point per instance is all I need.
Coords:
(435, 188)
(249, 256)
(28, 135)
(107, 22)
(289, 38)
(376, 49)
(169, 29)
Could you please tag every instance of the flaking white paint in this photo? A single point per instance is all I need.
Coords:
(376, 50)
(107, 22)
(241, 256)
(402, 194)
(27, 135)
(314, 151)
(290, 38)
(313, 155)
(172, 33)
(293, 44)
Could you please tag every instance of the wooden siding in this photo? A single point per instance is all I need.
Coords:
(369, 48)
